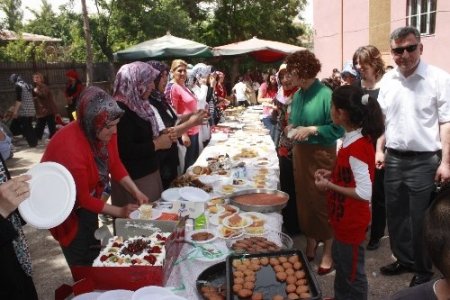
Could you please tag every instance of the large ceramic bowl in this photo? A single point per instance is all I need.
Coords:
(260, 200)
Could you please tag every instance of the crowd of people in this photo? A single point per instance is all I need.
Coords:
(358, 151)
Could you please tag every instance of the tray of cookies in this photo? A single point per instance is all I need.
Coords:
(277, 275)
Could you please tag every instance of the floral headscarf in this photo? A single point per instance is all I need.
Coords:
(161, 67)
(130, 85)
(198, 71)
(95, 110)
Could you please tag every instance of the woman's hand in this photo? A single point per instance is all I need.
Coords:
(127, 210)
(186, 140)
(303, 133)
(197, 118)
(379, 160)
(173, 134)
(12, 193)
(141, 197)
(163, 142)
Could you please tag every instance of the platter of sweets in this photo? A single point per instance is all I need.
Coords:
(277, 275)
(134, 251)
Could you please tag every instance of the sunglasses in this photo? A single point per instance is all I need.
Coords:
(400, 50)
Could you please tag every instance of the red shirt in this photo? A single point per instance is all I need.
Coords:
(70, 148)
(350, 217)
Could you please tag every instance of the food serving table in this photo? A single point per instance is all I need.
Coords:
(255, 142)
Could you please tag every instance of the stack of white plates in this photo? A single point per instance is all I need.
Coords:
(155, 292)
(145, 293)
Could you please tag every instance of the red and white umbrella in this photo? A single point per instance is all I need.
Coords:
(262, 50)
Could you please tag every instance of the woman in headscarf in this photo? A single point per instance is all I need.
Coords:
(140, 133)
(220, 92)
(88, 149)
(74, 87)
(314, 139)
(168, 159)
(199, 76)
(24, 110)
(16, 280)
(184, 102)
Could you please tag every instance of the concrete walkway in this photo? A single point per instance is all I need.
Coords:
(51, 270)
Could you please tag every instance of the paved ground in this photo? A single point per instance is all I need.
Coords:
(51, 270)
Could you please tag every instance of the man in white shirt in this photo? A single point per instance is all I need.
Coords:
(415, 99)
(239, 91)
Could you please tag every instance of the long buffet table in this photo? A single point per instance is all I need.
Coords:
(247, 153)
(248, 138)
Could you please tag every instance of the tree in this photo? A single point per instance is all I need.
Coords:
(88, 38)
(236, 20)
(43, 21)
(13, 13)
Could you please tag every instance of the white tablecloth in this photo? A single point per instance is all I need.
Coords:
(191, 261)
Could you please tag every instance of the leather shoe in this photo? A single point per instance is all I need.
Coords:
(324, 271)
(395, 268)
(373, 245)
(419, 279)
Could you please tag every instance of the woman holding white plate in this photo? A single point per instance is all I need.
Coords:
(15, 278)
(88, 149)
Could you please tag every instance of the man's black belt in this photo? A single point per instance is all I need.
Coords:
(402, 153)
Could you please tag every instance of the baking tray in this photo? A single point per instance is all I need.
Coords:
(213, 276)
(259, 208)
(266, 281)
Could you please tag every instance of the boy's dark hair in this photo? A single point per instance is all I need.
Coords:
(437, 232)
(363, 110)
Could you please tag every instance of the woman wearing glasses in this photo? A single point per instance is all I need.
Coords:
(88, 149)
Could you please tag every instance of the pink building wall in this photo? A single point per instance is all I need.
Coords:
(435, 47)
(328, 45)
(327, 32)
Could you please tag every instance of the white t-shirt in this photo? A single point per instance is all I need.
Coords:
(414, 107)
(240, 88)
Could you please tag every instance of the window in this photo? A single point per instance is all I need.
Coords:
(422, 15)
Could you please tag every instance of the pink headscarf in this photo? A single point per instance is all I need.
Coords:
(131, 84)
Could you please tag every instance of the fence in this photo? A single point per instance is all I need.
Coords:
(54, 74)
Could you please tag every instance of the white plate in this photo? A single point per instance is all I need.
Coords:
(247, 222)
(136, 215)
(52, 196)
(215, 220)
(189, 236)
(116, 295)
(209, 179)
(219, 209)
(171, 195)
(88, 296)
(194, 194)
(172, 297)
(219, 252)
(220, 137)
(151, 292)
(255, 214)
(221, 228)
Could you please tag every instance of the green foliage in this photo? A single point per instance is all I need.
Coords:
(117, 24)
(21, 51)
(237, 20)
(13, 13)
